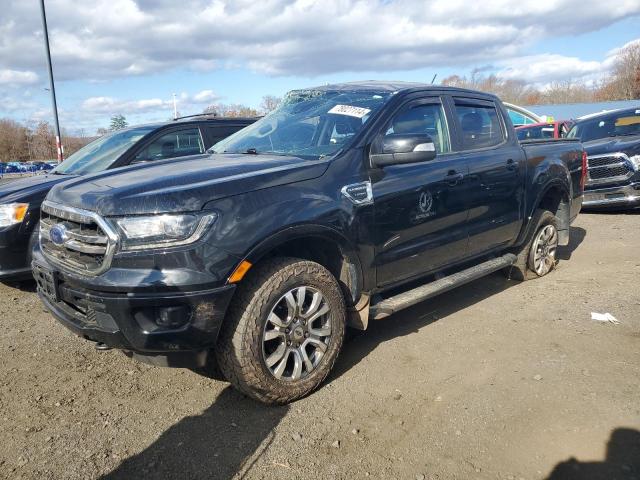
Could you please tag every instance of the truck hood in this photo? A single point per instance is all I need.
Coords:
(181, 185)
(629, 145)
(27, 188)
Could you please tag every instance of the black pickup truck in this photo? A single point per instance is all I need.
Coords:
(20, 199)
(347, 203)
(612, 142)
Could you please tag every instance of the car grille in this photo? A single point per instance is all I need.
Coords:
(609, 168)
(76, 239)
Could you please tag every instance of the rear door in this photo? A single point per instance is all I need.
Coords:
(495, 179)
(420, 208)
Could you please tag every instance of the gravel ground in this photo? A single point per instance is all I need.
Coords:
(495, 380)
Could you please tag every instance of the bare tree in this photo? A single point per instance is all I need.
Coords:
(269, 103)
(13, 141)
(230, 110)
(626, 72)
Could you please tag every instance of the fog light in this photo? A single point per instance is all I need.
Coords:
(172, 317)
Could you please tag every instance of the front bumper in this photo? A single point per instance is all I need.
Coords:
(165, 321)
(627, 196)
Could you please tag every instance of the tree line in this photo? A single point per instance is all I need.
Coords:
(34, 141)
(621, 83)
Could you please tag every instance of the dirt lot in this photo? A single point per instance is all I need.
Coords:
(496, 380)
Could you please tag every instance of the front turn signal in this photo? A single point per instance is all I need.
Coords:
(240, 271)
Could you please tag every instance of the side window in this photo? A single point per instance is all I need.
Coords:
(217, 133)
(178, 143)
(480, 124)
(423, 119)
(517, 118)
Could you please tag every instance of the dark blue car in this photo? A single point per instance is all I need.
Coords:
(20, 200)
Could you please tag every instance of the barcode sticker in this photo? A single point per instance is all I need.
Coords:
(349, 110)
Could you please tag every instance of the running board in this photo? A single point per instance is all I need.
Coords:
(423, 292)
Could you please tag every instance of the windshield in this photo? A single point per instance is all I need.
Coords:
(309, 123)
(613, 125)
(101, 153)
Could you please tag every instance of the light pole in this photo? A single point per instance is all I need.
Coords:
(59, 147)
(175, 107)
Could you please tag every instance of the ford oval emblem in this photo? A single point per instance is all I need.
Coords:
(58, 234)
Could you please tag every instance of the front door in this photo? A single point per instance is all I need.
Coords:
(420, 208)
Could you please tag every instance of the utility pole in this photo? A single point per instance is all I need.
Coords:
(175, 107)
(59, 147)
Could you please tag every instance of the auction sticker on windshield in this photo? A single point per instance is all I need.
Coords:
(349, 110)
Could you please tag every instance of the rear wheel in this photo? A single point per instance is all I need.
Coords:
(542, 255)
(538, 255)
(284, 330)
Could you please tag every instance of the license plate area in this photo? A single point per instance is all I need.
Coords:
(47, 282)
(593, 197)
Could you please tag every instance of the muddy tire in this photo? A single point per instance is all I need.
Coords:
(538, 255)
(284, 330)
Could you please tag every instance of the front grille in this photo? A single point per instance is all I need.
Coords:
(609, 168)
(76, 239)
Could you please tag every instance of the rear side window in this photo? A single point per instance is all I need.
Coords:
(178, 143)
(480, 125)
(217, 133)
(421, 119)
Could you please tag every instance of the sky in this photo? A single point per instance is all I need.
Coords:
(129, 56)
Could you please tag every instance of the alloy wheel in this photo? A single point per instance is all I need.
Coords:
(297, 334)
(544, 250)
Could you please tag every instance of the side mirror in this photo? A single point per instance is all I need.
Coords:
(399, 148)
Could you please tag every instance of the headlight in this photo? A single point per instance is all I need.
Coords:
(636, 161)
(155, 231)
(12, 213)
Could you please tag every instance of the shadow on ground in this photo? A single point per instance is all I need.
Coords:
(227, 438)
(576, 237)
(622, 461)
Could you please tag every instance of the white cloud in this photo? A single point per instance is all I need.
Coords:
(17, 77)
(163, 107)
(205, 96)
(115, 38)
(546, 68)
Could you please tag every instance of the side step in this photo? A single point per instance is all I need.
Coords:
(406, 299)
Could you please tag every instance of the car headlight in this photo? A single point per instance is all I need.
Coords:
(12, 213)
(155, 231)
(636, 161)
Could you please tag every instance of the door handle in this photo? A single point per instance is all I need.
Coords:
(511, 165)
(453, 177)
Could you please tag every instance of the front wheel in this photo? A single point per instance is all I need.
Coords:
(284, 330)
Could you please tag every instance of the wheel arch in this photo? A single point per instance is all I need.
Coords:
(320, 244)
(556, 198)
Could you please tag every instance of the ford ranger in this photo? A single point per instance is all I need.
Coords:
(347, 203)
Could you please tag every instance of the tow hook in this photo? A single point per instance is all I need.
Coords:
(101, 347)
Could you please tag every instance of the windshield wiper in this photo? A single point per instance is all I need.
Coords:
(248, 151)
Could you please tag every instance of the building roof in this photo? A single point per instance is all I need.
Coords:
(574, 110)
